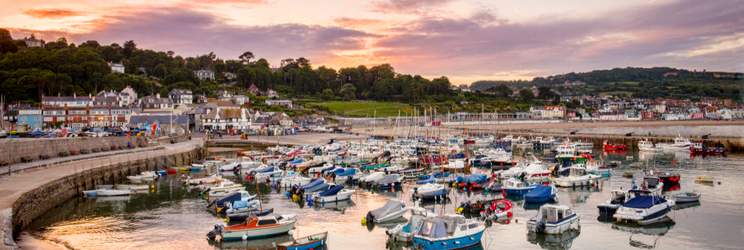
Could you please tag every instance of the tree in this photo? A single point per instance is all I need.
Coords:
(545, 93)
(527, 95)
(8, 46)
(91, 43)
(129, 48)
(246, 57)
(327, 95)
(348, 91)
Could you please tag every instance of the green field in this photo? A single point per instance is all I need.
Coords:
(360, 109)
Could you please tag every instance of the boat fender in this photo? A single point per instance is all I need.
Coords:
(245, 236)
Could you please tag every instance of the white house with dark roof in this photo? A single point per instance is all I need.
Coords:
(32, 42)
(67, 101)
(204, 74)
(181, 96)
(116, 67)
(155, 102)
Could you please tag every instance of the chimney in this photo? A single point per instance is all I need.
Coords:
(89, 96)
(74, 95)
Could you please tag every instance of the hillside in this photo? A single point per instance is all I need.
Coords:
(637, 82)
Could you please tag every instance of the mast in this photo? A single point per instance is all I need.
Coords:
(258, 191)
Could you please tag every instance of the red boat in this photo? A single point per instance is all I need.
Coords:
(469, 141)
(612, 146)
(698, 148)
(171, 171)
(500, 209)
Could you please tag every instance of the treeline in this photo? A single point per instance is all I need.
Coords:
(639, 82)
(63, 68)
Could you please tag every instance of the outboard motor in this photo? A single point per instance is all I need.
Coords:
(370, 217)
(217, 230)
(541, 226)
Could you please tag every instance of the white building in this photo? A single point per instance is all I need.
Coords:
(204, 74)
(128, 96)
(67, 101)
(181, 96)
(116, 67)
(286, 103)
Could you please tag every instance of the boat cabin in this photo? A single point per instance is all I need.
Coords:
(576, 171)
(681, 141)
(619, 197)
(554, 213)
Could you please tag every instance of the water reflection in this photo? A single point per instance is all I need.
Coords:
(339, 206)
(261, 243)
(656, 230)
(554, 241)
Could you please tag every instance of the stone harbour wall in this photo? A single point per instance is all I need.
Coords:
(35, 202)
(13, 150)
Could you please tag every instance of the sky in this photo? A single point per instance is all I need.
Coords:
(463, 40)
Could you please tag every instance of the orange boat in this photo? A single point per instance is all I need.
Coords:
(261, 226)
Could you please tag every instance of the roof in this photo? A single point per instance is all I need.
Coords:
(227, 113)
(182, 91)
(181, 119)
(226, 104)
(65, 98)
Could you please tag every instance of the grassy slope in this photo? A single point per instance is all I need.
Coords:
(368, 108)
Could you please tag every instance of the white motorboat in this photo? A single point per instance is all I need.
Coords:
(513, 172)
(223, 188)
(645, 208)
(646, 145)
(430, 191)
(318, 169)
(393, 209)
(513, 186)
(535, 171)
(554, 219)
(133, 187)
(333, 194)
(449, 231)
(678, 144)
(577, 177)
(213, 179)
(372, 177)
(618, 197)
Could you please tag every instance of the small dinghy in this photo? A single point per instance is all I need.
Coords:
(393, 209)
(132, 187)
(704, 179)
(499, 209)
(109, 192)
(304, 243)
(241, 216)
(693, 196)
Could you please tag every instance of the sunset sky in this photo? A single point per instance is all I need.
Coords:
(464, 40)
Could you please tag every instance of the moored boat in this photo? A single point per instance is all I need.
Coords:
(393, 209)
(448, 231)
(333, 194)
(645, 208)
(683, 197)
(304, 243)
(513, 186)
(617, 199)
(499, 209)
(554, 219)
(541, 194)
(256, 227)
(430, 191)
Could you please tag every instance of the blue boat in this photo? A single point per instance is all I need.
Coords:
(312, 184)
(304, 243)
(194, 169)
(541, 194)
(473, 178)
(513, 186)
(162, 173)
(424, 181)
(435, 175)
(434, 233)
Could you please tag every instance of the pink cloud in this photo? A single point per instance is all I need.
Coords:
(52, 13)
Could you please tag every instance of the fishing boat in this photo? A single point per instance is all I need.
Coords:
(389, 181)
(296, 180)
(304, 243)
(256, 227)
(554, 219)
(618, 197)
(541, 194)
(645, 208)
(646, 145)
(241, 216)
(333, 194)
(449, 231)
(683, 197)
(678, 144)
(393, 209)
(499, 209)
(430, 191)
(577, 177)
(456, 166)
(593, 167)
(567, 153)
(698, 148)
(608, 146)
(513, 186)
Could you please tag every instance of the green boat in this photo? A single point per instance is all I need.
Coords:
(568, 153)
(376, 166)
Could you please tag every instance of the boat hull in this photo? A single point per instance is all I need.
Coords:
(341, 196)
(558, 227)
(441, 194)
(447, 243)
(519, 191)
(258, 232)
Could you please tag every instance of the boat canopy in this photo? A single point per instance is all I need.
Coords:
(242, 204)
(644, 201)
(539, 191)
(433, 228)
(332, 191)
(347, 172)
(266, 170)
(391, 206)
(389, 179)
(312, 184)
(458, 156)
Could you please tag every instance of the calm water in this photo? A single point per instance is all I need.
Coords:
(172, 216)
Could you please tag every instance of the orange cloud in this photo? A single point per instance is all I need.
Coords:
(354, 22)
(52, 13)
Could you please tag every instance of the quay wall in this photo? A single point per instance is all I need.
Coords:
(13, 150)
(50, 195)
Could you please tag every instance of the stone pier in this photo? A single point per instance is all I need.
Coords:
(25, 196)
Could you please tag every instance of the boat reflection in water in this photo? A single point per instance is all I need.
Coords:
(656, 230)
(400, 245)
(554, 241)
(340, 206)
(686, 205)
(580, 194)
(536, 206)
(258, 243)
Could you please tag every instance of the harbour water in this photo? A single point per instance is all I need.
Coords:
(171, 216)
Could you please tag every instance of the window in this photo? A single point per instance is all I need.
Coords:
(474, 225)
(265, 222)
(560, 214)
